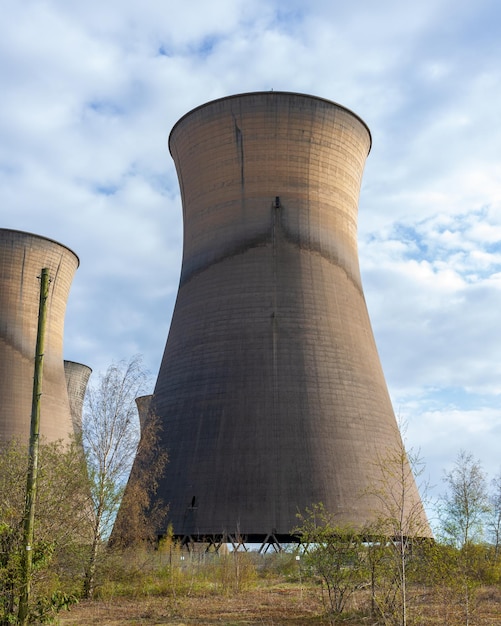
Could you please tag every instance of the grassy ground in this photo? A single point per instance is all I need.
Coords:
(174, 588)
(284, 604)
(273, 605)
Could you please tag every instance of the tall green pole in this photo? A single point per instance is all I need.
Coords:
(31, 483)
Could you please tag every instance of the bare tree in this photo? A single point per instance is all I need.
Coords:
(494, 519)
(462, 511)
(401, 520)
(110, 433)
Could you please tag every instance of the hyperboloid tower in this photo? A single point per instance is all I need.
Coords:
(271, 393)
(22, 257)
(77, 377)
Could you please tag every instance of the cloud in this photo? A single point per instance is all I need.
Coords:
(91, 90)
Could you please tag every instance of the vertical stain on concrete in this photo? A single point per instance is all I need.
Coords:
(239, 139)
(21, 282)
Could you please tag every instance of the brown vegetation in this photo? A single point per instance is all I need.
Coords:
(277, 603)
(172, 587)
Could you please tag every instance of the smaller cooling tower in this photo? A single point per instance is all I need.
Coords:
(77, 377)
(143, 404)
(22, 257)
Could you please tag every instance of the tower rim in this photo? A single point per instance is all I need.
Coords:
(36, 236)
(272, 92)
(77, 363)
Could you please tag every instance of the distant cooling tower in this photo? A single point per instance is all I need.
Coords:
(270, 392)
(77, 376)
(22, 257)
(143, 404)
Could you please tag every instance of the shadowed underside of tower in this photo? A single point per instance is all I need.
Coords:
(270, 392)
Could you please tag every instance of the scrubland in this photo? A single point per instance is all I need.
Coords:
(238, 589)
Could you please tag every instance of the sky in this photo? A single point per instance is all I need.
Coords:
(89, 92)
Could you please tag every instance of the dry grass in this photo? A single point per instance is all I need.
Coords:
(285, 604)
(174, 589)
(272, 605)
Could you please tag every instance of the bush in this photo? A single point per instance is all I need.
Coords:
(62, 523)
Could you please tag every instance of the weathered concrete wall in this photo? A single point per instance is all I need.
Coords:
(22, 257)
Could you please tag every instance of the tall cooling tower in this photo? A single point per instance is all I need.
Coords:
(22, 257)
(270, 392)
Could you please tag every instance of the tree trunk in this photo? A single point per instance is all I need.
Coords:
(88, 588)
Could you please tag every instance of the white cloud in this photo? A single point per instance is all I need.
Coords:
(90, 92)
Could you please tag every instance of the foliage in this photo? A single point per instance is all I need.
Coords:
(333, 553)
(47, 608)
(111, 437)
(401, 521)
(280, 602)
(139, 518)
(110, 433)
(454, 576)
(234, 572)
(62, 525)
(174, 572)
(463, 508)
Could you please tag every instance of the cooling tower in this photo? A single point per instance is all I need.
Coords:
(271, 393)
(77, 376)
(22, 257)
(143, 404)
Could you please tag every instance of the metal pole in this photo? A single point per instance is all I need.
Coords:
(31, 482)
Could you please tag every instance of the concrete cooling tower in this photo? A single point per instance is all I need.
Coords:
(22, 257)
(143, 408)
(77, 376)
(271, 393)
